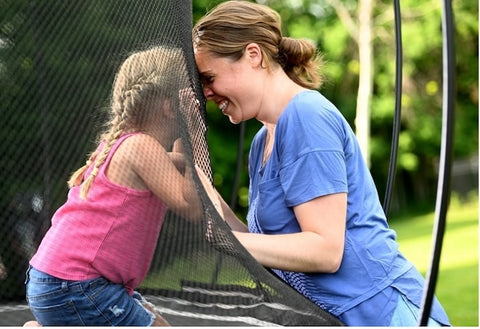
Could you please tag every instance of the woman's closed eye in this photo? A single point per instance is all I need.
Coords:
(207, 79)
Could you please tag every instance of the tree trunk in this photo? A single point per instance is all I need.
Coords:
(365, 48)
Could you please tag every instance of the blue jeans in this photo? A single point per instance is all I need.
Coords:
(95, 302)
(407, 315)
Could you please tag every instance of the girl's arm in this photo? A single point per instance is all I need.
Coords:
(151, 162)
(317, 248)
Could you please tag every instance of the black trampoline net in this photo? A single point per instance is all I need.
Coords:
(58, 62)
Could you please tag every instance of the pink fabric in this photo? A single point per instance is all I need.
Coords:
(111, 234)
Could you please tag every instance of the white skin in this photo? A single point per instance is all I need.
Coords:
(244, 90)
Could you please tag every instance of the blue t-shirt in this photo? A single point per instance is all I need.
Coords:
(315, 153)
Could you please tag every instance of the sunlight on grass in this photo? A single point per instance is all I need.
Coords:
(457, 285)
(200, 269)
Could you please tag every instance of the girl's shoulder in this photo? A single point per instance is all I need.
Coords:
(132, 152)
(140, 140)
(137, 146)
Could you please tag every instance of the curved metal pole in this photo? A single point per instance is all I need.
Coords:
(398, 107)
(241, 137)
(443, 188)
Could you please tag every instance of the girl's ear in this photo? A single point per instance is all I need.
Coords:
(254, 54)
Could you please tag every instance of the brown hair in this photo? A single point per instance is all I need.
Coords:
(143, 77)
(228, 28)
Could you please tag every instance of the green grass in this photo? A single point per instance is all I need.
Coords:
(457, 285)
(201, 268)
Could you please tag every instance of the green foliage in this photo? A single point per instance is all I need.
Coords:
(46, 53)
(421, 120)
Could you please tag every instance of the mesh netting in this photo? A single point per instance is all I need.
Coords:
(58, 60)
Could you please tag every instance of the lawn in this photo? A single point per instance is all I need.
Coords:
(457, 285)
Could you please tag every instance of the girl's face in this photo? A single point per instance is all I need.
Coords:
(233, 86)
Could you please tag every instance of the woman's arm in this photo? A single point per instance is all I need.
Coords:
(222, 207)
(317, 248)
(232, 220)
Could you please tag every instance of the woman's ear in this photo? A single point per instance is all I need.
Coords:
(254, 54)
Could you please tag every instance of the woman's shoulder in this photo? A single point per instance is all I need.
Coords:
(311, 101)
(308, 108)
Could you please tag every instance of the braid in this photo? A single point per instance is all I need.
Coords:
(110, 138)
(141, 79)
(125, 105)
(77, 176)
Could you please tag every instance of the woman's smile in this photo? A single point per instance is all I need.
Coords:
(223, 105)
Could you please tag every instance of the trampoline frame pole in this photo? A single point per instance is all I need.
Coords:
(445, 164)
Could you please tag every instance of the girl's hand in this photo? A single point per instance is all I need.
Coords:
(159, 320)
(177, 156)
(32, 324)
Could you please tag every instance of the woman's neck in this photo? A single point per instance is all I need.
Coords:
(280, 90)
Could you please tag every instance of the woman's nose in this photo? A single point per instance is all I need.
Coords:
(208, 92)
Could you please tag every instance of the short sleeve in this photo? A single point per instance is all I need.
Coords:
(311, 136)
(314, 174)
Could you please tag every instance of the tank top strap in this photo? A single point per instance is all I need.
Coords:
(114, 149)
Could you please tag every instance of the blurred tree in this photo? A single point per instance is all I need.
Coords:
(359, 27)
(419, 143)
(37, 54)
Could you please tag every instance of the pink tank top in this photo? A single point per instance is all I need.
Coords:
(112, 234)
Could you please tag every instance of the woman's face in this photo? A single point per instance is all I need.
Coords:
(232, 85)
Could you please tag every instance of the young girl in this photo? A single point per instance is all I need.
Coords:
(314, 214)
(101, 242)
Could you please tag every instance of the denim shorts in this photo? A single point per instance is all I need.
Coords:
(407, 314)
(95, 302)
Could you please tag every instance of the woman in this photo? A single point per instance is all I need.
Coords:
(314, 213)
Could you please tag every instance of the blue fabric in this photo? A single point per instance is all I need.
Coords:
(407, 314)
(95, 302)
(315, 153)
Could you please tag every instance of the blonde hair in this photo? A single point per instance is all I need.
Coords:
(143, 78)
(227, 29)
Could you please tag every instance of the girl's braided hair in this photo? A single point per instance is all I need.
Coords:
(144, 79)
